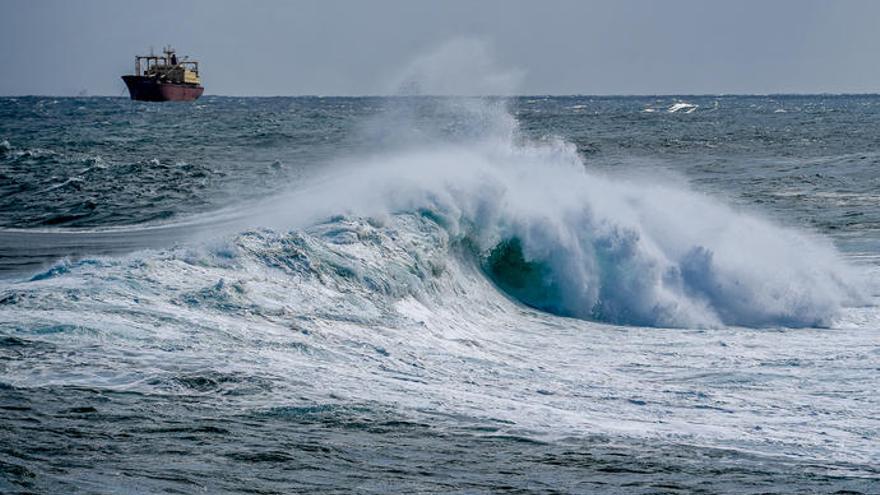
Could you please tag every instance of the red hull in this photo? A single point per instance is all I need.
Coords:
(149, 89)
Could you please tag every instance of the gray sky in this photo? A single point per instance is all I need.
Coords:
(327, 47)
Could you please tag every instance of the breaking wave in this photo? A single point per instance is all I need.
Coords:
(557, 237)
(543, 229)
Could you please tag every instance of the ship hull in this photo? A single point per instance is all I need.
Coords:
(144, 88)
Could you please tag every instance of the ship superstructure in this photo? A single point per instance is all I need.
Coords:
(164, 78)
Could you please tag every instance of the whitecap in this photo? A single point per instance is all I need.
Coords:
(688, 107)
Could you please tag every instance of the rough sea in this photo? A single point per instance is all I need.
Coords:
(628, 295)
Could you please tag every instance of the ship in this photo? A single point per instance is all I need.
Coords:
(164, 78)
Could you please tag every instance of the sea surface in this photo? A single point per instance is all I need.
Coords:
(634, 295)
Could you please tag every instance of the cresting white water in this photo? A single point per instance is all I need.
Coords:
(632, 251)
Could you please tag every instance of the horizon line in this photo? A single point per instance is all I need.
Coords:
(524, 95)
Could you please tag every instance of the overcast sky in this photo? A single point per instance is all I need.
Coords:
(358, 47)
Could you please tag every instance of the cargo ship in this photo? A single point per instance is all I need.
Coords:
(164, 78)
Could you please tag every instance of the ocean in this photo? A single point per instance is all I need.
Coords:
(640, 295)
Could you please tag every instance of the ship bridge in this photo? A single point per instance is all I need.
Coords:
(167, 67)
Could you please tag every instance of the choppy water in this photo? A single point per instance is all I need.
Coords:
(538, 295)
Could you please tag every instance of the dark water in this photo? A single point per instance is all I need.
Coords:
(109, 161)
(374, 295)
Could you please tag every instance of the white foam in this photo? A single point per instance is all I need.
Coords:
(676, 107)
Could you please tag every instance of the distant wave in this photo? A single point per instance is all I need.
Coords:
(682, 106)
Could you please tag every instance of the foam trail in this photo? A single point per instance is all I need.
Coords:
(575, 243)
(36, 248)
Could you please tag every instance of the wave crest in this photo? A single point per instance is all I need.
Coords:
(560, 238)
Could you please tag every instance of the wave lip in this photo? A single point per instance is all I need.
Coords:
(650, 255)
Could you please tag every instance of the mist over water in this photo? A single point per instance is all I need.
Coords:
(464, 66)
